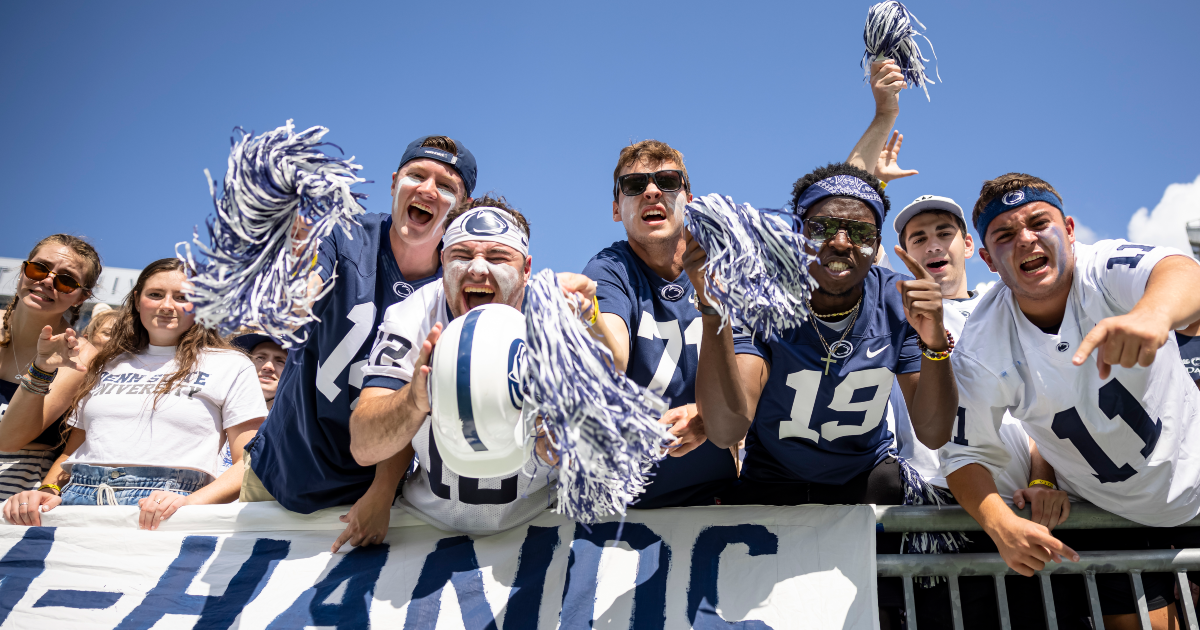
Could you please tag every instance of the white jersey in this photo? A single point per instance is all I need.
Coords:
(1015, 475)
(434, 493)
(1129, 443)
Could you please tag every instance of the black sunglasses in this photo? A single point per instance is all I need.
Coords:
(634, 184)
(37, 272)
(821, 229)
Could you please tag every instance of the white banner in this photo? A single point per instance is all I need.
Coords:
(257, 565)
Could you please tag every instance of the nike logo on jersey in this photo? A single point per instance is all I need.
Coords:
(871, 354)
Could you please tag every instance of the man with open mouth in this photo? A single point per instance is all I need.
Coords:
(647, 302)
(1076, 342)
(933, 230)
(485, 255)
(301, 456)
(812, 401)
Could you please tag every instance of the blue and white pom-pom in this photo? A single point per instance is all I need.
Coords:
(918, 491)
(757, 267)
(889, 34)
(602, 427)
(257, 271)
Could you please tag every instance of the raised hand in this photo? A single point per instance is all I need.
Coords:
(61, 350)
(1125, 340)
(886, 82)
(580, 289)
(419, 388)
(923, 303)
(694, 258)
(886, 168)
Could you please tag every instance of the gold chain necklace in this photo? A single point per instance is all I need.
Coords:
(829, 357)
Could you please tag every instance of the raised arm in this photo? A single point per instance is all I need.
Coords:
(608, 329)
(931, 394)
(728, 385)
(886, 83)
(385, 421)
(29, 414)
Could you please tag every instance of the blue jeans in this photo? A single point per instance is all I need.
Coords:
(125, 485)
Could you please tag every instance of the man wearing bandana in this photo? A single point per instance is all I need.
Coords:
(812, 400)
(1077, 344)
(301, 455)
(485, 255)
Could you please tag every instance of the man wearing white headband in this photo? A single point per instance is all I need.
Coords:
(485, 260)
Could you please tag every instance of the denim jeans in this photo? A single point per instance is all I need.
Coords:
(125, 485)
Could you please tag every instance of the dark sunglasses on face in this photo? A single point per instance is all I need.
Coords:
(822, 229)
(37, 272)
(634, 184)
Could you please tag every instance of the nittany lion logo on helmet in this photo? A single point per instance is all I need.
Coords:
(485, 223)
(1013, 198)
(516, 365)
(671, 292)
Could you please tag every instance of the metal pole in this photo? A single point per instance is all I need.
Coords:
(1139, 598)
(953, 518)
(1094, 600)
(1002, 601)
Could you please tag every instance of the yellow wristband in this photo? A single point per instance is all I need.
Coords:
(57, 490)
(1043, 482)
(595, 311)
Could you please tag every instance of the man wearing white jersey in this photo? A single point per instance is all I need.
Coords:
(1067, 344)
(485, 260)
(933, 230)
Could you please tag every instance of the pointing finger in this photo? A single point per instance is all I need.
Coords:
(1095, 337)
(918, 272)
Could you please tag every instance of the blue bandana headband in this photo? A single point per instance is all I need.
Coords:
(842, 186)
(1011, 201)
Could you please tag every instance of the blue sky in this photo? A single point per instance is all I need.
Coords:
(113, 110)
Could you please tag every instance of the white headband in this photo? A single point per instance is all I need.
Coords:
(487, 224)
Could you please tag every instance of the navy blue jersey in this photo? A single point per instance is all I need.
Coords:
(302, 452)
(1189, 351)
(664, 346)
(826, 427)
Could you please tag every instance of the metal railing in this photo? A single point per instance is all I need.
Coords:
(1083, 516)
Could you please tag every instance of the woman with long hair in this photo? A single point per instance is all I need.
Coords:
(153, 410)
(55, 280)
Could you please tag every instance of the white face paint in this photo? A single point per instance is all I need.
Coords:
(867, 250)
(447, 195)
(506, 280)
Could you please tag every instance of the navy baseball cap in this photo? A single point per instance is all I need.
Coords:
(463, 162)
(250, 341)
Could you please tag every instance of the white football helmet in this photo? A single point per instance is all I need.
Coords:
(475, 393)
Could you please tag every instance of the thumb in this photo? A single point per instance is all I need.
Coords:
(47, 333)
(1019, 499)
(345, 518)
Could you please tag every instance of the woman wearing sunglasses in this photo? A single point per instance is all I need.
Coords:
(152, 412)
(54, 282)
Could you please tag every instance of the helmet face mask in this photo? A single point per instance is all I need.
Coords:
(475, 393)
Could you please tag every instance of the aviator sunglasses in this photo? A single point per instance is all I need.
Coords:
(822, 229)
(634, 184)
(37, 272)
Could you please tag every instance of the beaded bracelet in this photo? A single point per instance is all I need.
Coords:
(33, 386)
(39, 374)
(934, 355)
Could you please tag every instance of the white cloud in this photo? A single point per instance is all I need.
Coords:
(1165, 224)
(1085, 234)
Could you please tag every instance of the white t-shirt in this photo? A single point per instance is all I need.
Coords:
(1130, 443)
(186, 429)
(435, 494)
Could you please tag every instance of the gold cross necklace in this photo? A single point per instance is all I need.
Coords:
(844, 348)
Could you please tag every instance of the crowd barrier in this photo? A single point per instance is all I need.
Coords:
(1082, 516)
